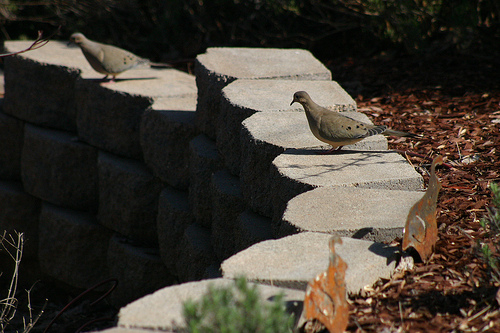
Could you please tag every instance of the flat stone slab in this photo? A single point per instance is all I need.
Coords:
(370, 214)
(11, 145)
(163, 310)
(220, 66)
(19, 211)
(204, 161)
(57, 168)
(128, 198)
(139, 81)
(138, 269)
(243, 98)
(295, 260)
(72, 246)
(297, 171)
(106, 115)
(263, 63)
(174, 216)
(165, 133)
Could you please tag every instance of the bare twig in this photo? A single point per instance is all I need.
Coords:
(38, 43)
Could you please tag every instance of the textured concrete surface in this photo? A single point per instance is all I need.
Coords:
(40, 93)
(174, 216)
(370, 214)
(251, 228)
(295, 260)
(72, 246)
(197, 254)
(220, 66)
(128, 198)
(227, 205)
(57, 168)
(11, 145)
(19, 211)
(265, 135)
(139, 270)
(165, 133)
(204, 160)
(163, 310)
(297, 171)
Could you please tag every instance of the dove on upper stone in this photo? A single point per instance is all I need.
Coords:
(336, 129)
(107, 59)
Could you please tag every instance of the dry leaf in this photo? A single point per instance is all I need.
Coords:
(421, 226)
(326, 295)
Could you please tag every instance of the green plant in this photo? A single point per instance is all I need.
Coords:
(224, 310)
(490, 251)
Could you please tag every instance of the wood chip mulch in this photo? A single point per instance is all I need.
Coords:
(454, 101)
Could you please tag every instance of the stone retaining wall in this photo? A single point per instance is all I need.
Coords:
(156, 179)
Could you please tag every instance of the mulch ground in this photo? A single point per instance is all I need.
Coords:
(454, 101)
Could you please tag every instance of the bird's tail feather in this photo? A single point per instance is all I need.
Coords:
(400, 133)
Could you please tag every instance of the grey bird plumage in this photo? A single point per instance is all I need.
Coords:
(107, 59)
(336, 129)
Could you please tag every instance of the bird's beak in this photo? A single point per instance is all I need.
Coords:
(70, 42)
(292, 102)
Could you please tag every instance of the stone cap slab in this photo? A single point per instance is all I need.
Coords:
(276, 95)
(295, 260)
(368, 169)
(263, 63)
(163, 310)
(291, 130)
(143, 81)
(371, 214)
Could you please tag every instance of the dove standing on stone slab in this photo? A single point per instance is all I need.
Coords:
(336, 129)
(108, 59)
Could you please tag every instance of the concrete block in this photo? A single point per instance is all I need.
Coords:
(174, 216)
(110, 120)
(139, 270)
(370, 214)
(204, 161)
(11, 145)
(39, 92)
(297, 171)
(163, 310)
(243, 98)
(165, 134)
(265, 135)
(227, 205)
(293, 261)
(251, 228)
(196, 254)
(128, 198)
(20, 211)
(58, 169)
(220, 66)
(72, 246)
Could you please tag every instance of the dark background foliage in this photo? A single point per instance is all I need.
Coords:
(167, 30)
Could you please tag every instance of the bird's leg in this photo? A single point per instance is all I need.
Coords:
(331, 151)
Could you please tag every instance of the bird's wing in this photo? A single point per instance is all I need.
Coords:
(336, 127)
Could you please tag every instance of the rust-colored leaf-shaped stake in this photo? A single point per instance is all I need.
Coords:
(326, 295)
(421, 226)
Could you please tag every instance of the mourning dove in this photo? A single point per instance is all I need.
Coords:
(336, 129)
(107, 59)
